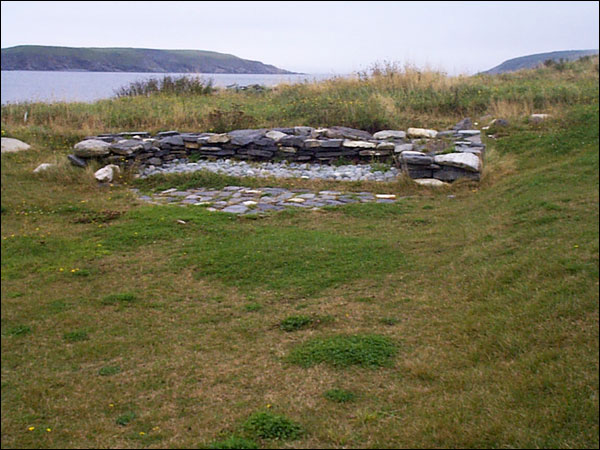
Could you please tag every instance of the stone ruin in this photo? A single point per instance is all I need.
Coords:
(420, 153)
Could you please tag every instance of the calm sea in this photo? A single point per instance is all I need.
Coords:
(32, 86)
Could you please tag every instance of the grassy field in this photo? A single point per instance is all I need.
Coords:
(466, 317)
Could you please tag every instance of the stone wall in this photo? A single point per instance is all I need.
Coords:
(420, 153)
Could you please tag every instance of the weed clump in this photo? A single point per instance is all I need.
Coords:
(344, 351)
(294, 323)
(339, 395)
(266, 425)
(126, 418)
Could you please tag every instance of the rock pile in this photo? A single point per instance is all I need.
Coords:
(419, 153)
(245, 201)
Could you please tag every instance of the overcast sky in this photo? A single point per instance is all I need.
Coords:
(315, 37)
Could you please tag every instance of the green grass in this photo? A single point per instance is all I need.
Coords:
(266, 425)
(339, 395)
(464, 318)
(344, 351)
(234, 442)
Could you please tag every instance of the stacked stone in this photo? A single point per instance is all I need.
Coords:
(445, 155)
(421, 153)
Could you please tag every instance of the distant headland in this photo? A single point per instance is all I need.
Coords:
(48, 58)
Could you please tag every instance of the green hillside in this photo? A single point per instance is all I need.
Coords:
(533, 61)
(36, 57)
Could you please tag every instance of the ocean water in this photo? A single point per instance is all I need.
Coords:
(34, 86)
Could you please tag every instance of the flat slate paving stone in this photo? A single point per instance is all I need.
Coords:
(246, 201)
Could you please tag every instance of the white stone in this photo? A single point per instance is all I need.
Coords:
(107, 173)
(91, 148)
(296, 200)
(389, 134)
(222, 138)
(11, 145)
(539, 116)
(467, 161)
(421, 133)
(275, 135)
(358, 144)
(250, 203)
(42, 167)
(385, 196)
(431, 182)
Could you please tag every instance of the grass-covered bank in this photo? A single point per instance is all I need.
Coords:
(469, 321)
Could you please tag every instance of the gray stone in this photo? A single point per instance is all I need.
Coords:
(389, 134)
(386, 146)
(303, 131)
(404, 148)
(417, 158)
(76, 161)
(467, 161)
(260, 153)
(127, 147)
(155, 161)
(164, 133)
(469, 132)
(418, 171)
(474, 139)
(332, 143)
(464, 124)
(292, 141)
(347, 133)
(264, 142)
(449, 173)
(174, 141)
(235, 209)
(91, 148)
(445, 134)
(245, 137)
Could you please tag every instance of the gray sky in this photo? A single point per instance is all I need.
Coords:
(315, 37)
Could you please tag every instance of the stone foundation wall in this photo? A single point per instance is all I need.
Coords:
(420, 153)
